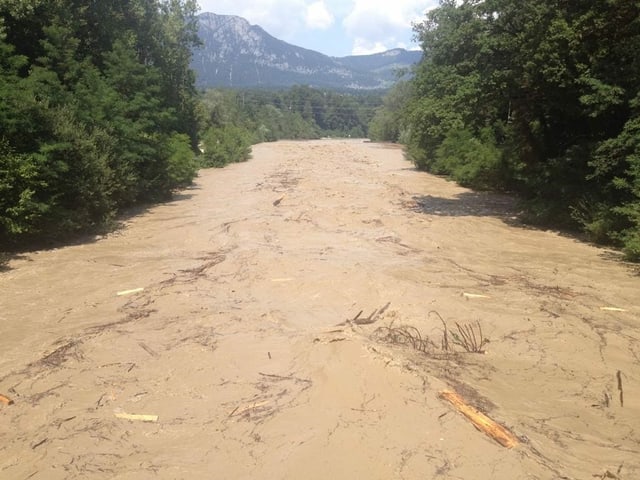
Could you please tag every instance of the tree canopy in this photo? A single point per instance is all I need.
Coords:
(537, 97)
(98, 110)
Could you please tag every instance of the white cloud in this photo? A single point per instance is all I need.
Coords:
(355, 26)
(378, 25)
(281, 18)
(318, 16)
(362, 46)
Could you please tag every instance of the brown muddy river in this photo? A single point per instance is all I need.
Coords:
(285, 318)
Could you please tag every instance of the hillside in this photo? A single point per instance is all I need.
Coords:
(236, 54)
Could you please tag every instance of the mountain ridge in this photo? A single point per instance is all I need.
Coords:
(236, 54)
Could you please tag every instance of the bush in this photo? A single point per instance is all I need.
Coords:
(471, 161)
(182, 165)
(20, 178)
(384, 127)
(224, 145)
(631, 247)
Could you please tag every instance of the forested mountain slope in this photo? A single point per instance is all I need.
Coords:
(235, 54)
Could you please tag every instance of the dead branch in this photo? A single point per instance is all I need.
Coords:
(445, 332)
(619, 376)
(375, 315)
(371, 318)
(405, 335)
(468, 338)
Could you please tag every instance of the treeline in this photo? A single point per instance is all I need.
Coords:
(98, 110)
(537, 97)
(233, 120)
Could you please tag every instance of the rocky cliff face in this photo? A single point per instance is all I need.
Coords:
(237, 54)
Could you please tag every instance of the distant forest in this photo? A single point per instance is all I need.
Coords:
(232, 120)
(100, 112)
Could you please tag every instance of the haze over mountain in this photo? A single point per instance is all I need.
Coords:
(239, 55)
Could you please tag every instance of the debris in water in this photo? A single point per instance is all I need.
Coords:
(474, 295)
(483, 423)
(129, 292)
(137, 416)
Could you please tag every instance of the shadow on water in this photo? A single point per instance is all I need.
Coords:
(506, 208)
(143, 208)
(469, 204)
(21, 251)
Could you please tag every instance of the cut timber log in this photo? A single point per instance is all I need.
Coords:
(483, 423)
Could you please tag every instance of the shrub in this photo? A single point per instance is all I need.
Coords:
(224, 145)
(182, 165)
(471, 161)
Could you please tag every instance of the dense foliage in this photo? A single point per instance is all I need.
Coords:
(389, 123)
(535, 96)
(98, 110)
(300, 112)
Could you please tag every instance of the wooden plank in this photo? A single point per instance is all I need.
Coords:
(138, 417)
(483, 423)
(129, 292)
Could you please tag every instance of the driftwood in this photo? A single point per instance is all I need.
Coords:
(619, 377)
(483, 423)
(279, 200)
(239, 410)
(375, 315)
(129, 292)
(136, 416)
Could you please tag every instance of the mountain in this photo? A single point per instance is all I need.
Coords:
(237, 54)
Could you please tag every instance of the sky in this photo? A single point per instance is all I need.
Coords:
(334, 27)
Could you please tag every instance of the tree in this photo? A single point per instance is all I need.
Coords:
(97, 100)
(388, 123)
(547, 93)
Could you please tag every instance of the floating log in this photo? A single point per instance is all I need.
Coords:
(483, 423)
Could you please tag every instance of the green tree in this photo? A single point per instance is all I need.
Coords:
(389, 121)
(96, 100)
(547, 93)
(224, 145)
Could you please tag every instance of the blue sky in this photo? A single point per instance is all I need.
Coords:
(332, 27)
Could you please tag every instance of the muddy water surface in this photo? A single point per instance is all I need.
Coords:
(240, 329)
